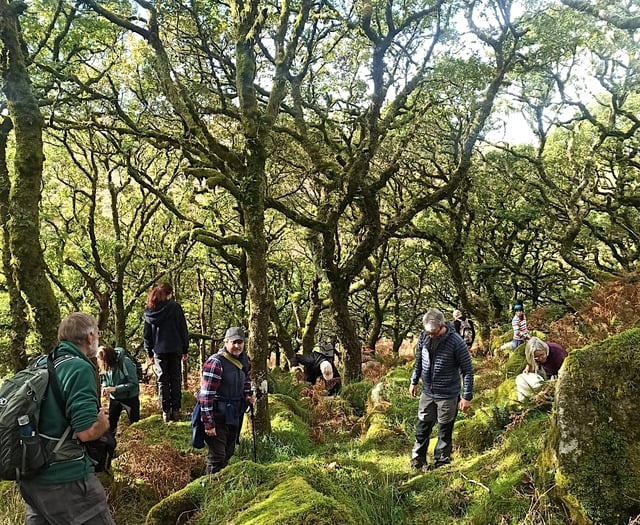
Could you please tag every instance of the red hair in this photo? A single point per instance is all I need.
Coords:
(159, 295)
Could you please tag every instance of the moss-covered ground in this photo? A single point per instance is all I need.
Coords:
(346, 460)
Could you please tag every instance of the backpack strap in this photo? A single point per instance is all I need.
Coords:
(232, 359)
(57, 392)
(123, 367)
(62, 439)
(53, 381)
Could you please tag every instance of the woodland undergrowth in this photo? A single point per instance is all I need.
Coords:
(360, 447)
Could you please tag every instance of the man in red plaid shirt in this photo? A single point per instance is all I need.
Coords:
(225, 391)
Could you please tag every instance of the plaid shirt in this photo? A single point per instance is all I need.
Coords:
(212, 371)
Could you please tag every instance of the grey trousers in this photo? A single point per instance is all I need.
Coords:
(430, 410)
(81, 502)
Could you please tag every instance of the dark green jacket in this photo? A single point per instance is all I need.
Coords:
(124, 377)
(77, 380)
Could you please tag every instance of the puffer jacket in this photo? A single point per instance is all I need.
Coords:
(441, 379)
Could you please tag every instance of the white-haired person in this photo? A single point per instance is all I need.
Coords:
(464, 327)
(544, 360)
(442, 359)
(319, 364)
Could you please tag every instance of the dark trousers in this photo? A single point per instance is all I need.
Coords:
(221, 447)
(430, 411)
(169, 368)
(131, 407)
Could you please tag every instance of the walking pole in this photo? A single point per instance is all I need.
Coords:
(253, 432)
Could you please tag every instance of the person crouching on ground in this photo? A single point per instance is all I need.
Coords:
(119, 380)
(225, 391)
(441, 358)
(545, 357)
(319, 364)
(544, 360)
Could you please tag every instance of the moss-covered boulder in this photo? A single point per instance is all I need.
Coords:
(247, 493)
(479, 431)
(516, 362)
(295, 502)
(595, 434)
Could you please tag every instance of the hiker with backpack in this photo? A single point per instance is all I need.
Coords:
(67, 490)
(464, 327)
(119, 378)
(225, 392)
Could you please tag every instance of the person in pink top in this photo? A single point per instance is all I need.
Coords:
(519, 325)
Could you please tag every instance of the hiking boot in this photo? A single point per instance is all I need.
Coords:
(166, 417)
(175, 415)
(442, 462)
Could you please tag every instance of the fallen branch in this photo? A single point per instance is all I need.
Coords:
(476, 482)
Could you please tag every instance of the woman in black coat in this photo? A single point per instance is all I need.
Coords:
(166, 341)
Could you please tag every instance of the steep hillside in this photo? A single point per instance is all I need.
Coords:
(346, 460)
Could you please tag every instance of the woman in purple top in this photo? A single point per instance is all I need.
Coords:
(548, 356)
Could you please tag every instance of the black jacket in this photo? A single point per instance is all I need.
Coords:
(311, 364)
(165, 330)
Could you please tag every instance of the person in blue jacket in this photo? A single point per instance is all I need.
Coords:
(442, 358)
(166, 340)
(119, 380)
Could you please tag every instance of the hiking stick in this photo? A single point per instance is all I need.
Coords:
(253, 432)
(185, 373)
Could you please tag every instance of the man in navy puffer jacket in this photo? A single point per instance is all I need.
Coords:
(441, 357)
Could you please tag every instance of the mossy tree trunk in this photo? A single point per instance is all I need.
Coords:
(25, 191)
(312, 318)
(260, 305)
(17, 305)
(253, 187)
(346, 330)
(238, 169)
